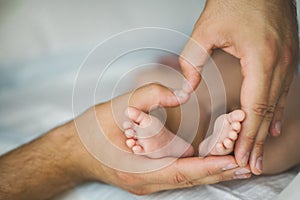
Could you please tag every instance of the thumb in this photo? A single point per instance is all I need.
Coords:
(192, 60)
(156, 95)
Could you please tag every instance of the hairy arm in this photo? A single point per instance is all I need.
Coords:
(41, 168)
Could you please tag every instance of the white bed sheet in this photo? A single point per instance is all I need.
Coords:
(34, 101)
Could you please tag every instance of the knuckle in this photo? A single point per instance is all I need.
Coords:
(159, 94)
(263, 110)
(269, 114)
(209, 172)
(180, 179)
(159, 91)
(259, 109)
(155, 88)
(258, 145)
(250, 136)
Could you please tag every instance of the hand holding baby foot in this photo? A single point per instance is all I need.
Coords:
(147, 136)
(224, 135)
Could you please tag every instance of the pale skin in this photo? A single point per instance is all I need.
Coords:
(264, 36)
(280, 153)
(58, 161)
(221, 142)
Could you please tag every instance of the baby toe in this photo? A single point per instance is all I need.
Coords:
(137, 149)
(127, 125)
(237, 115)
(236, 126)
(228, 143)
(220, 148)
(233, 135)
(138, 116)
(129, 133)
(130, 143)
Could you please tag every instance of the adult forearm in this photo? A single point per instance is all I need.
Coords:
(41, 168)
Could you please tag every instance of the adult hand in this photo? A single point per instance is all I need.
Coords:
(58, 160)
(184, 172)
(264, 36)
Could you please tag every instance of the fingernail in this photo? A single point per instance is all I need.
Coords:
(186, 87)
(181, 95)
(242, 171)
(230, 166)
(245, 159)
(258, 164)
(278, 127)
(242, 176)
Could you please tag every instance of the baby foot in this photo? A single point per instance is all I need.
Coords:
(146, 135)
(224, 135)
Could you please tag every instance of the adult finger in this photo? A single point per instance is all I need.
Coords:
(215, 175)
(154, 95)
(193, 57)
(212, 179)
(275, 127)
(289, 61)
(277, 79)
(254, 101)
(146, 98)
(187, 172)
